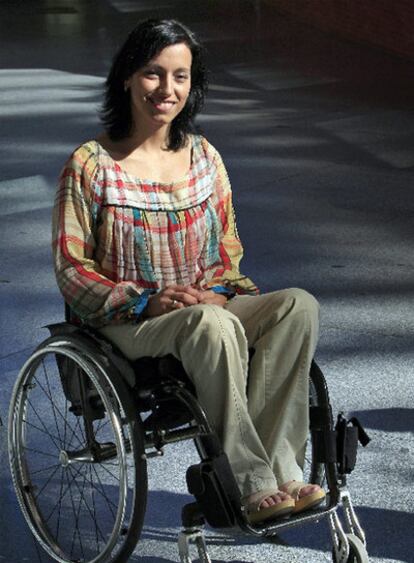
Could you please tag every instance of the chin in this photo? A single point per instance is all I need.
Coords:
(163, 119)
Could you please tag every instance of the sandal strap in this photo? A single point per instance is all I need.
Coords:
(294, 488)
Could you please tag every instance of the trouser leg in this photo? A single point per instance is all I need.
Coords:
(282, 327)
(211, 344)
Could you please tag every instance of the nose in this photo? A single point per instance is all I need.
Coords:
(165, 85)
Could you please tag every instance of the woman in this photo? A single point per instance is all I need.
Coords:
(146, 250)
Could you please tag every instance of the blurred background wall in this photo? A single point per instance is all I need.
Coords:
(388, 24)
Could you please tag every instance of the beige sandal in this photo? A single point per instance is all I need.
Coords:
(312, 500)
(255, 514)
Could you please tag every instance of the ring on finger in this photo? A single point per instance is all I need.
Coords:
(174, 302)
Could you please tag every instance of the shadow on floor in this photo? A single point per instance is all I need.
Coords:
(388, 420)
(386, 532)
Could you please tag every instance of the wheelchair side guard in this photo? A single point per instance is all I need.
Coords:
(102, 355)
(83, 396)
(61, 329)
(349, 433)
(95, 343)
(339, 445)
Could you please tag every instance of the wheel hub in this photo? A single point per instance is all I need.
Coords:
(81, 456)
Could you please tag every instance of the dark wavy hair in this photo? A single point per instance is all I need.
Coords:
(144, 42)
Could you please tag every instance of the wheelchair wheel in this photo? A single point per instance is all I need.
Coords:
(357, 551)
(314, 471)
(76, 456)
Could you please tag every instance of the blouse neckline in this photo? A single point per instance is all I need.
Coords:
(146, 181)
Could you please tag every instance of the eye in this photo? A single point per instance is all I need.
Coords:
(182, 77)
(150, 73)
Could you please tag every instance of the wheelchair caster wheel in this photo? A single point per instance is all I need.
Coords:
(357, 551)
(195, 536)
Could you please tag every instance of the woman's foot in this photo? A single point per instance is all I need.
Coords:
(268, 505)
(305, 496)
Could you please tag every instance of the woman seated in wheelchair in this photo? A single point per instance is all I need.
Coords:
(147, 252)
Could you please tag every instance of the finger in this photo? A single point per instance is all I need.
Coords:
(193, 291)
(177, 288)
(214, 299)
(185, 298)
(174, 304)
(208, 296)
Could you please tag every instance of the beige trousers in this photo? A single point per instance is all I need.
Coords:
(259, 412)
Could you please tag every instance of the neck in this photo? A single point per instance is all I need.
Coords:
(157, 139)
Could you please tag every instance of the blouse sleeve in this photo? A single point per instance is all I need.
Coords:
(94, 298)
(227, 274)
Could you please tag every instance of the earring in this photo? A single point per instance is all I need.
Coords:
(126, 87)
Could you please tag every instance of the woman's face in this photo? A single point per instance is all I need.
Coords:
(160, 89)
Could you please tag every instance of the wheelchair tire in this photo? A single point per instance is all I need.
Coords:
(81, 479)
(314, 471)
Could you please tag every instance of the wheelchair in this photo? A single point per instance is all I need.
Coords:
(84, 422)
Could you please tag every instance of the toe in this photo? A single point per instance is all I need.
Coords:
(275, 498)
(308, 490)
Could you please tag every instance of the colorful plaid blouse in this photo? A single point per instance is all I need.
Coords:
(117, 238)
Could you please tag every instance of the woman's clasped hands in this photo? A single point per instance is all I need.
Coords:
(179, 296)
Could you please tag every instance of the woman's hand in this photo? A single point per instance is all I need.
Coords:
(179, 296)
(171, 298)
(210, 297)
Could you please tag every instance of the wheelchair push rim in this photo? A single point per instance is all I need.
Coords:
(75, 482)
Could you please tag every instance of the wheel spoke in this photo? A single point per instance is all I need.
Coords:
(38, 452)
(58, 412)
(95, 519)
(62, 475)
(104, 495)
(101, 490)
(109, 472)
(81, 497)
(47, 482)
(58, 447)
(54, 406)
(78, 426)
(85, 502)
(62, 496)
(40, 430)
(50, 394)
(101, 424)
(76, 527)
(47, 468)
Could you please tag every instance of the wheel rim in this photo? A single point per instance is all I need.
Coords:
(73, 497)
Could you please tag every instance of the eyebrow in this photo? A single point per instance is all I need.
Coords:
(158, 67)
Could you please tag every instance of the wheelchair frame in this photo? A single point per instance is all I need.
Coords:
(98, 384)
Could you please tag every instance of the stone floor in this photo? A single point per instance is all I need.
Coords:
(318, 138)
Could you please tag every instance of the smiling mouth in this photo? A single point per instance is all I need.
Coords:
(162, 106)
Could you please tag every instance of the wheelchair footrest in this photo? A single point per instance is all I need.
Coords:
(213, 485)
